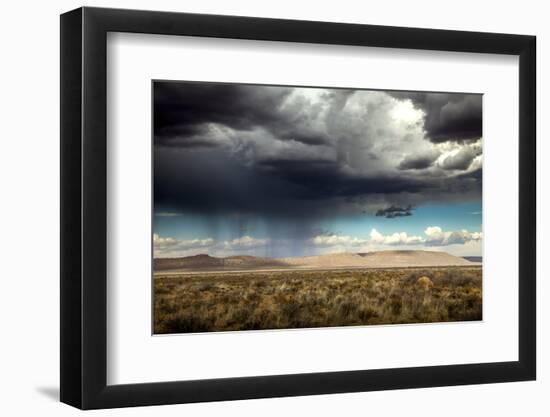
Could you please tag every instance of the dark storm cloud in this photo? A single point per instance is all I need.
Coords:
(448, 117)
(190, 142)
(226, 148)
(392, 212)
(418, 161)
(461, 161)
(462, 186)
(183, 109)
(320, 179)
(208, 181)
(185, 106)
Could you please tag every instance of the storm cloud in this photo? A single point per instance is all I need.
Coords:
(392, 212)
(302, 153)
(422, 161)
(448, 117)
(462, 159)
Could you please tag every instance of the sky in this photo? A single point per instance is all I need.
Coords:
(291, 171)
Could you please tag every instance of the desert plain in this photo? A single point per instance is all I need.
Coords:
(203, 293)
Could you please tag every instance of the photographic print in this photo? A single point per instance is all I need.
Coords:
(282, 207)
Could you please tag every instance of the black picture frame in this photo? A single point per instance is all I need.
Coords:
(84, 207)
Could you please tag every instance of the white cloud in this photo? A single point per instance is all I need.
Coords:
(165, 247)
(433, 237)
(437, 237)
(245, 242)
(169, 246)
(405, 112)
(334, 240)
(460, 156)
(394, 239)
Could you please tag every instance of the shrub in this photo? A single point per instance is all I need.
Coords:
(297, 299)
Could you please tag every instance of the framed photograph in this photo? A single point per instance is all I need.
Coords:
(258, 208)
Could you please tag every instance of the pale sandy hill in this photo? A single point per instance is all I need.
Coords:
(380, 259)
(413, 258)
(244, 261)
(333, 260)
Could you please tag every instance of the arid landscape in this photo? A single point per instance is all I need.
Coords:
(284, 207)
(203, 293)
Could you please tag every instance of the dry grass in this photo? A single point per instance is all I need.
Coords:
(299, 299)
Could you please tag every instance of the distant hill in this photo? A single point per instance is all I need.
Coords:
(333, 260)
(414, 258)
(244, 261)
(477, 259)
(208, 262)
(380, 259)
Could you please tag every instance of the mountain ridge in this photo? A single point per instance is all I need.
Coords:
(377, 259)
